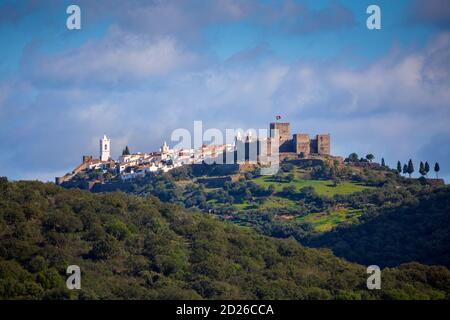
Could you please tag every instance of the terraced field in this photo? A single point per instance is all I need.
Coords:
(323, 221)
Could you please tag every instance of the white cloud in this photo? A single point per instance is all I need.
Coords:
(415, 83)
(119, 56)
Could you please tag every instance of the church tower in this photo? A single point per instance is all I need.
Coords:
(165, 148)
(105, 152)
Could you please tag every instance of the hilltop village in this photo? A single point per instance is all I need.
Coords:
(130, 166)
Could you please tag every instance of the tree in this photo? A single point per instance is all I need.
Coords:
(383, 164)
(422, 169)
(103, 249)
(287, 167)
(353, 157)
(410, 168)
(248, 176)
(248, 195)
(118, 229)
(370, 157)
(336, 181)
(399, 167)
(289, 190)
(126, 151)
(332, 173)
(290, 177)
(437, 169)
(405, 169)
(427, 168)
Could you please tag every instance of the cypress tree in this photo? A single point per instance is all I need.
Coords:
(399, 167)
(410, 168)
(405, 169)
(427, 168)
(126, 151)
(436, 169)
(422, 169)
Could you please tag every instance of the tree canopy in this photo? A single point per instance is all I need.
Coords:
(131, 247)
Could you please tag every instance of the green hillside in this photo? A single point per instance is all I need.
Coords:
(322, 187)
(131, 247)
(322, 205)
(417, 230)
(326, 221)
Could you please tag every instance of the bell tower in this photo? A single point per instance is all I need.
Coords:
(105, 152)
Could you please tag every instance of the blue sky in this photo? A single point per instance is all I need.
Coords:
(137, 70)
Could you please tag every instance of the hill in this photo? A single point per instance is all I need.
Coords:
(320, 204)
(131, 247)
(417, 230)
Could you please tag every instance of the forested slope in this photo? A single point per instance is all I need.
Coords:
(418, 230)
(132, 247)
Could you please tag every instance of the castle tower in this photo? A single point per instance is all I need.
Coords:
(105, 152)
(323, 144)
(284, 132)
(302, 144)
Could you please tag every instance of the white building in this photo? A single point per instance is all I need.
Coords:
(105, 152)
(135, 157)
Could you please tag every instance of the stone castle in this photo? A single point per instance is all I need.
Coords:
(301, 143)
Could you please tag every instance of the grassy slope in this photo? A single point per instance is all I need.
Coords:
(417, 231)
(138, 248)
(322, 187)
(323, 222)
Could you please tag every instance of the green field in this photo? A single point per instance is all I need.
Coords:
(323, 221)
(322, 187)
(277, 202)
(243, 206)
(268, 203)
